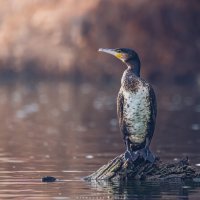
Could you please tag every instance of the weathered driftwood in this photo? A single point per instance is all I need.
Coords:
(123, 170)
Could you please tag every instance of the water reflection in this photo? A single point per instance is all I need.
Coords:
(69, 130)
(148, 190)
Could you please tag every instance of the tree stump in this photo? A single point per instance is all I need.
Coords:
(121, 169)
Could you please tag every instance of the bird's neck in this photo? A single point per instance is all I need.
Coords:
(134, 66)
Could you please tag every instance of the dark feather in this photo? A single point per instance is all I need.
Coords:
(153, 108)
(120, 103)
(122, 124)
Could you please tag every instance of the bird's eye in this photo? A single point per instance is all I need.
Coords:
(119, 51)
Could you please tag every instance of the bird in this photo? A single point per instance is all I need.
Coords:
(136, 107)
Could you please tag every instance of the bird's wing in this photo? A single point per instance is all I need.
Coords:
(120, 103)
(153, 108)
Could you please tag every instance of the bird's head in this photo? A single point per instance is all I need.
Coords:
(124, 54)
(127, 56)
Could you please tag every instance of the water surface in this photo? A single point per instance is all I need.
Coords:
(69, 130)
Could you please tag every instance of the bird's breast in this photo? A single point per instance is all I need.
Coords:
(136, 112)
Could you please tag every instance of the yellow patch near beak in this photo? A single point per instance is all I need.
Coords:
(119, 55)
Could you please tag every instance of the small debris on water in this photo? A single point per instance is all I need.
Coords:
(89, 156)
(48, 179)
(47, 156)
(195, 127)
(186, 187)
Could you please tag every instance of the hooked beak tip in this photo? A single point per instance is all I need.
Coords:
(109, 51)
(101, 49)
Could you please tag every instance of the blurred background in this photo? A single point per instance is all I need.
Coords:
(61, 38)
(58, 94)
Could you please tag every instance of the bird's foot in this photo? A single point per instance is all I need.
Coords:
(146, 154)
(131, 156)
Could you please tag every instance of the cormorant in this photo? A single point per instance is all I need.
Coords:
(136, 107)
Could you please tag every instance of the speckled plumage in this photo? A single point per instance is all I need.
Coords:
(136, 108)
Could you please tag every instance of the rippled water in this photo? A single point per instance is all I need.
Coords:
(69, 130)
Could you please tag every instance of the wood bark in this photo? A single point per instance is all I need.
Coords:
(123, 170)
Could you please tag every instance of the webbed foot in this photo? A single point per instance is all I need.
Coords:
(147, 155)
(131, 156)
(144, 153)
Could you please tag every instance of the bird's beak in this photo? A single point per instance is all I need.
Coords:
(109, 51)
(112, 52)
